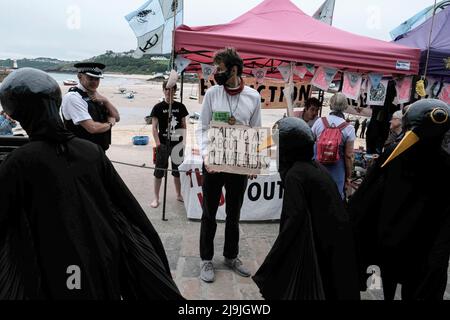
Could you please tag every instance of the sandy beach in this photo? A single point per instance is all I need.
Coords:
(149, 93)
(128, 76)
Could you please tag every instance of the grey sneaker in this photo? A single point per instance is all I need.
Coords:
(207, 271)
(237, 266)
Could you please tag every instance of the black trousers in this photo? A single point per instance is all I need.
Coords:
(235, 186)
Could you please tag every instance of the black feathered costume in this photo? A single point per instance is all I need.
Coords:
(401, 212)
(313, 256)
(63, 204)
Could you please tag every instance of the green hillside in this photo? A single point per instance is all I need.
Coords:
(46, 64)
(115, 62)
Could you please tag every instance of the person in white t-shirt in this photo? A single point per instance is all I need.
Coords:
(85, 112)
(232, 102)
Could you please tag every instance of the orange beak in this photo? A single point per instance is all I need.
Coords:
(407, 142)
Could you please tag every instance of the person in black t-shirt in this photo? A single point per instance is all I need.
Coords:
(160, 123)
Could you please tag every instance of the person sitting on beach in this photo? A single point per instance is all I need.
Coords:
(174, 149)
(86, 113)
(6, 124)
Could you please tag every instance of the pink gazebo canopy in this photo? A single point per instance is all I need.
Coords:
(277, 31)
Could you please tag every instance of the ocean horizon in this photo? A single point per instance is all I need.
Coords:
(121, 81)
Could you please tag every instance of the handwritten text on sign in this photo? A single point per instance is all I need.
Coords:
(271, 91)
(235, 149)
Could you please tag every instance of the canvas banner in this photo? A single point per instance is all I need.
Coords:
(271, 91)
(263, 197)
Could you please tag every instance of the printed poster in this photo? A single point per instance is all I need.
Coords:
(376, 96)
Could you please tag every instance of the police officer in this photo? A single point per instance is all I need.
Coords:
(86, 113)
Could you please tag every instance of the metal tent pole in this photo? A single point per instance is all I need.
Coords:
(169, 129)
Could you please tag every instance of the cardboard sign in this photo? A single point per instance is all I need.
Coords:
(235, 149)
(271, 91)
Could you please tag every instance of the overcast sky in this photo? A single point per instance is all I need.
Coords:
(80, 29)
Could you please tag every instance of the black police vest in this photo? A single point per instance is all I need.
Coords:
(98, 113)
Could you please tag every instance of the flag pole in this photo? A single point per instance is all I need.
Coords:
(171, 95)
(332, 13)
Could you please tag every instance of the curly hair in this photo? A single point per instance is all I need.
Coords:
(230, 58)
(312, 102)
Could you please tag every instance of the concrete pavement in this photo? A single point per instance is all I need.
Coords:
(181, 236)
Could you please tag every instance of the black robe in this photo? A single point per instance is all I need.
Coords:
(63, 204)
(313, 256)
(401, 217)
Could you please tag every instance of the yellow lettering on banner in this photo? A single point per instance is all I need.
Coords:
(271, 91)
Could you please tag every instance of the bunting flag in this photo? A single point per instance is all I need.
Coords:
(375, 79)
(434, 87)
(259, 74)
(445, 93)
(323, 78)
(330, 73)
(285, 72)
(364, 84)
(152, 25)
(404, 87)
(208, 70)
(301, 71)
(325, 12)
(289, 94)
(352, 85)
(376, 96)
(310, 68)
(181, 64)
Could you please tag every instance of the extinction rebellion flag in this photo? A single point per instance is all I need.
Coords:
(152, 24)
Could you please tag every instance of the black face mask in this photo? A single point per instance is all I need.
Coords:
(221, 78)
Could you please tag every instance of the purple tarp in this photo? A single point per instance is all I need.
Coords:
(439, 62)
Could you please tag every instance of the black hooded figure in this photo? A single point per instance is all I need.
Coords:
(69, 226)
(313, 256)
(401, 212)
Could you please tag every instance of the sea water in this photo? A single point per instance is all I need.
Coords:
(107, 80)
